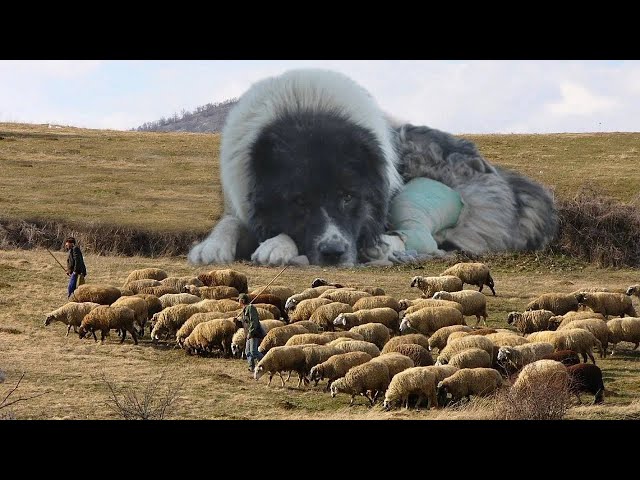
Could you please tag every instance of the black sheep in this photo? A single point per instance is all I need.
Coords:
(566, 357)
(585, 377)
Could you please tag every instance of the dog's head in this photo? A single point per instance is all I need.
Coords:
(322, 180)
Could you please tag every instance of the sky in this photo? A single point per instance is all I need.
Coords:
(478, 96)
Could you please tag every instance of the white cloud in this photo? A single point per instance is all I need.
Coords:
(49, 68)
(578, 100)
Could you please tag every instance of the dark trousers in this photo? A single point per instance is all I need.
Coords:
(251, 350)
(75, 280)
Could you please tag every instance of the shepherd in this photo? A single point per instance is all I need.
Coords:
(76, 269)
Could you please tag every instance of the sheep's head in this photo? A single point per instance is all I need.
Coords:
(504, 353)
(554, 322)
(405, 325)
(235, 349)
(49, 318)
(337, 387)
(404, 303)
(634, 290)
(82, 331)
(290, 304)
(582, 297)
(319, 282)
(441, 295)
(258, 372)
(415, 282)
(340, 320)
(389, 402)
(512, 316)
(317, 373)
(444, 396)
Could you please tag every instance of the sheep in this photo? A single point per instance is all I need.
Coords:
(375, 333)
(607, 303)
(548, 336)
(460, 344)
(337, 366)
(153, 304)
(281, 359)
(153, 273)
(345, 296)
(325, 314)
(275, 311)
(226, 277)
(420, 355)
(360, 380)
(558, 321)
(342, 334)
(386, 316)
(594, 325)
(239, 339)
(125, 292)
(455, 335)
(350, 345)
(102, 294)
(633, 290)
(506, 339)
(578, 340)
(473, 303)
(105, 318)
(412, 381)
(316, 354)
(136, 285)
(71, 314)
(431, 319)
(416, 338)
(396, 362)
(542, 374)
(305, 309)
(372, 290)
(158, 291)
(466, 382)
(472, 273)
(212, 333)
(558, 303)
(278, 336)
(512, 359)
(169, 320)
(296, 298)
(624, 330)
(471, 358)
(566, 357)
(269, 298)
(280, 291)
(430, 285)
(379, 301)
(213, 293)
(187, 327)
(530, 321)
(172, 299)
(488, 331)
(439, 338)
(585, 377)
(139, 307)
(224, 305)
(307, 338)
(320, 283)
(429, 303)
(179, 282)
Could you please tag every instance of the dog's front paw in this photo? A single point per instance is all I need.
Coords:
(213, 250)
(278, 250)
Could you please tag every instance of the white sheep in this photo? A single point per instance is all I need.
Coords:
(95, 293)
(179, 282)
(430, 285)
(71, 314)
(416, 338)
(624, 330)
(296, 298)
(578, 340)
(281, 291)
(386, 316)
(633, 290)
(306, 308)
(172, 299)
(439, 338)
(378, 301)
(136, 285)
(430, 319)
(471, 358)
(473, 273)
(558, 303)
(169, 320)
(530, 321)
(153, 273)
(325, 314)
(187, 327)
(105, 318)
(420, 355)
(506, 339)
(558, 321)
(542, 374)
(307, 338)
(412, 381)
(375, 333)
(594, 325)
(429, 303)
(513, 359)
(473, 303)
(217, 292)
(467, 382)
(239, 339)
(368, 379)
(207, 335)
(337, 366)
(460, 344)
(278, 336)
(139, 307)
(281, 359)
(227, 277)
(344, 295)
(350, 345)
(607, 303)
(395, 362)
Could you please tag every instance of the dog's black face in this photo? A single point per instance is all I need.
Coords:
(321, 180)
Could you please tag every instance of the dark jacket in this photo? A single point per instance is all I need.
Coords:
(251, 322)
(75, 262)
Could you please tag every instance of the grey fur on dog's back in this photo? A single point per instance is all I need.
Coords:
(503, 209)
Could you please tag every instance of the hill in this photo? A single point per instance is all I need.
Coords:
(208, 118)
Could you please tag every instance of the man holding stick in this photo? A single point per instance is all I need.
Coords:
(252, 330)
(76, 268)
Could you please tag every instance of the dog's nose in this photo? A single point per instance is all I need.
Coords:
(332, 252)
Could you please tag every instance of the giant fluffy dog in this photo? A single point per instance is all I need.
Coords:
(309, 165)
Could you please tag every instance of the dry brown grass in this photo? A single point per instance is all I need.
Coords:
(217, 388)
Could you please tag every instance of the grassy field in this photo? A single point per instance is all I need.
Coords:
(169, 182)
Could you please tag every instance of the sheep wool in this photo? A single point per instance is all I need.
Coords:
(209, 335)
(412, 381)
(71, 314)
(596, 326)
(214, 293)
(345, 296)
(105, 318)
(142, 273)
(355, 346)
(278, 336)
(368, 379)
(530, 321)
(306, 308)
(172, 299)
(395, 362)
(471, 358)
(379, 301)
(375, 333)
(607, 303)
(460, 344)
(467, 382)
(325, 314)
(472, 273)
(225, 277)
(420, 355)
(558, 303)
(430, 319)
(439, 338)
(416, 338)
(386, 316)
(430, 285)
(102, 294)
(473, 303)
(624, 330)
(281, 359)
(337, 366)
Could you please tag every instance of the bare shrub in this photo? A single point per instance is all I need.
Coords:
(5, 403)
(546, 398)
(149, 403)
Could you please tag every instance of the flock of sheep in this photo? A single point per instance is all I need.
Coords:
(364, 342)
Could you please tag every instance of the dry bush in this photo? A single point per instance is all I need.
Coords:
(542, 399)
(150, 403)
(5, 402)
(599, 229)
